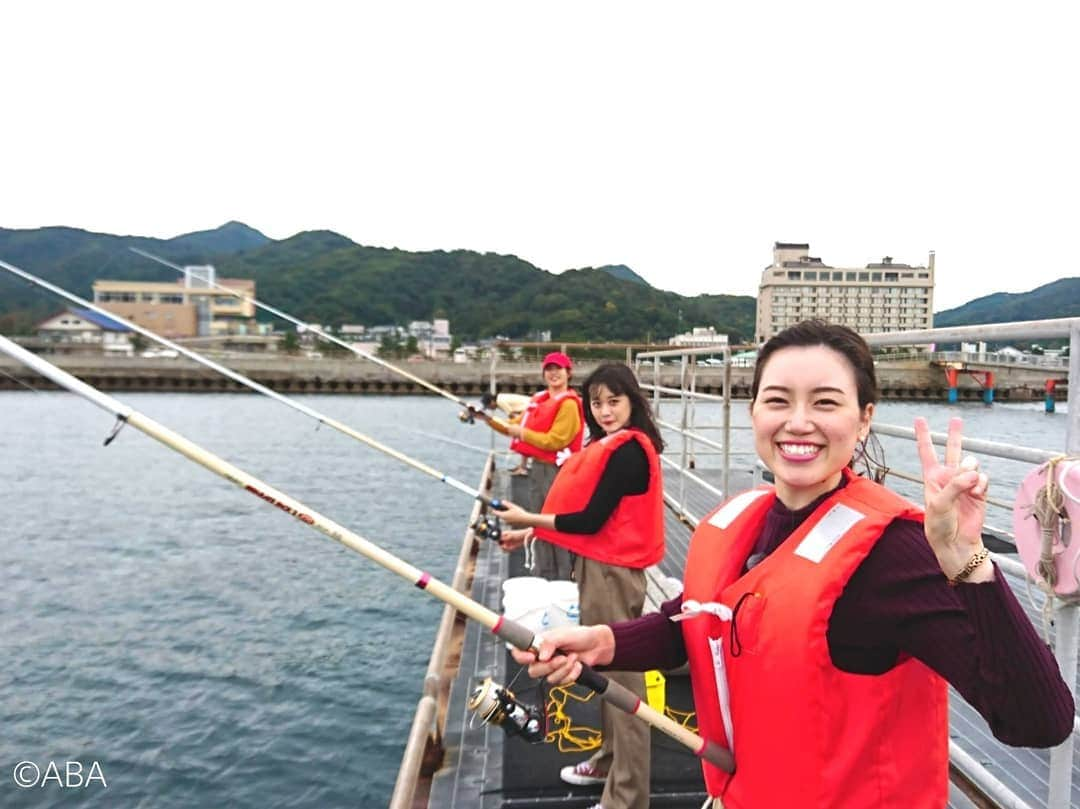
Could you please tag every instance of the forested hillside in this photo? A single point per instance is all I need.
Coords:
(324, 277)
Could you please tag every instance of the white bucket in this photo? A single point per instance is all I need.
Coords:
(526, 600)
(564, 610)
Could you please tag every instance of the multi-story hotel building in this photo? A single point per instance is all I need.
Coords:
(876, 298)
(188, 307)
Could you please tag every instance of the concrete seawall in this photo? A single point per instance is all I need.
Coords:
(909, 380)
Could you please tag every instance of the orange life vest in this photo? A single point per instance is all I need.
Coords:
(803, 732)
(540, 415)
(633, 536)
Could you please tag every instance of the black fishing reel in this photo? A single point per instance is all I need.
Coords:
(488, 526)
(498, 705)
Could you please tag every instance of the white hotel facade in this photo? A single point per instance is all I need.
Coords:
(887, 296)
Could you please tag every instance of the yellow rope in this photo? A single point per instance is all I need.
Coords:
(562, 731)
(572, 738)
(1049, 510)
(684, 718)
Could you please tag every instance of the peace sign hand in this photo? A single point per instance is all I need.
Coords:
(955, 497)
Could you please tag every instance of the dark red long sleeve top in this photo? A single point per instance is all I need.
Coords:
(976, 636)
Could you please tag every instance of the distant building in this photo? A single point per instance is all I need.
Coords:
(700, 336)
(187, 307)
(88, 327)
(881, 297)
(432, 338)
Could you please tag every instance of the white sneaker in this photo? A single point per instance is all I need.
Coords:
(583, 773)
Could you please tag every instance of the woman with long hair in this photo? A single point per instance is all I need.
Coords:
(824, 617)
(606, 506)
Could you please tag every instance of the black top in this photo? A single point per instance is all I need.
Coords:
(626, 473)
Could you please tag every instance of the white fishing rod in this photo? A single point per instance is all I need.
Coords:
(315, 330)
(491, 528)
(510, 631)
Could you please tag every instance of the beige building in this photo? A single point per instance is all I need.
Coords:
(876, 298)
(187, 307)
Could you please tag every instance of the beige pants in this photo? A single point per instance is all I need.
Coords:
(551, 561)
(610, 593)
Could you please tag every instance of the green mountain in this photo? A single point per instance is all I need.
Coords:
(624, 273)
(324, 277)
(232, 237)
(1059, 298)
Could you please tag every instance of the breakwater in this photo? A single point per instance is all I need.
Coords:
(908, 380)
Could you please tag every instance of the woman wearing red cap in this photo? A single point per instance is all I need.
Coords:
(551, 428)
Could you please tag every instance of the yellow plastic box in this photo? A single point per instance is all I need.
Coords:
(654, 690)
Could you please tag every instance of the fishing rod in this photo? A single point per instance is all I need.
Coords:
(489, 524)
(301, 325)
(508, 630)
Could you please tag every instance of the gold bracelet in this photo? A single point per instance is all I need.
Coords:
(976, 559)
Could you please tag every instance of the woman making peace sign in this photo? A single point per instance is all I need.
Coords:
(823, 617)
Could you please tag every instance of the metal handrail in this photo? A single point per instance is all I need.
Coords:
(995, 449)
(676, 392)
(424, 725)
(697, 479)
(687, 351)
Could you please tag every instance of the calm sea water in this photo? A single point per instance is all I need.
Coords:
(205, 649)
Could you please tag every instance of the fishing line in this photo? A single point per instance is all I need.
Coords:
(20, 382)
(505, 629)
(491, 527)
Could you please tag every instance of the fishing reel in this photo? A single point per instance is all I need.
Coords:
(495, 704)
(471, 413)
(488, 526)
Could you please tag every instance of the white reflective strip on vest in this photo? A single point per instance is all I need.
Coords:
(734, 507)
(716, 647)
(828, 531)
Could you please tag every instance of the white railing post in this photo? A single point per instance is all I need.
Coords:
(656, 387)
(682, 438)
(727, 422)
(1067, 625)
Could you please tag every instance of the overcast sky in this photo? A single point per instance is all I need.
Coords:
(681, 139)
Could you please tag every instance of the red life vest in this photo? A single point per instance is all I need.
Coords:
(540, 415)
(803, 732)
(633, 536)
